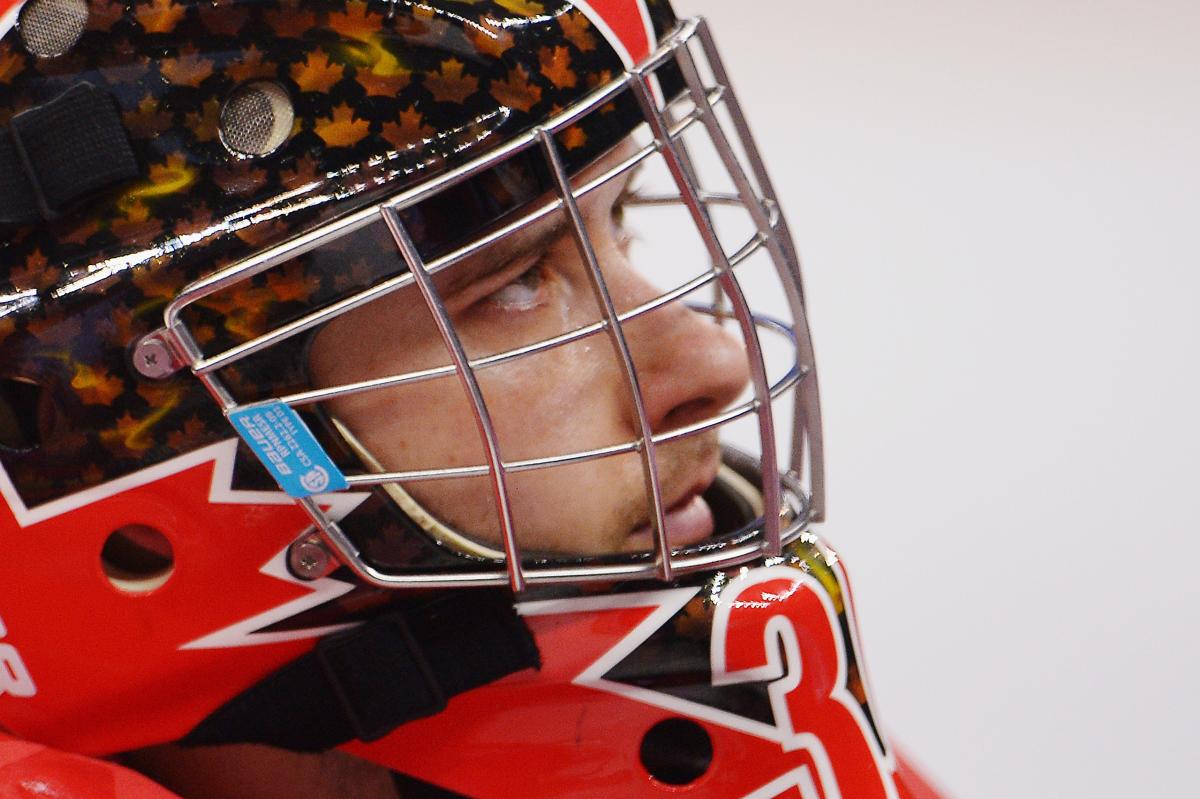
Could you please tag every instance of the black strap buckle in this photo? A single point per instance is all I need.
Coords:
(59, 153)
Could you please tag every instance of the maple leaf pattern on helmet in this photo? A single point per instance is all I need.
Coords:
(96, 386)
(250, 66)
(384, 81)
(578, 30)
(224, 20)
(205, 124)
(160, 16)
(343, 128)
(11, 63)
(517, 91)
(102, 14)
(408, 130)
(556, 65)
(149, 119)
(317, 73)
(490, 39)
(189, 69)
(450, 84)
(382, 95)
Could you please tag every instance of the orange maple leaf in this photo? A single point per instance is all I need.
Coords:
(449, 84)
(578, 30)
(573, 137)
(130, 432)
(190, 69)
(317, 73)
(147, 120)
(10, 64)
(305, 172)
(159, 16)
(290, 22)
(33, 272)
(170, 178)
(136, 220)
(291, 284)
(224, 19)
(193, 429)
(517, 92)
(383, 84)
(103, 13)
(240, 177)
(342, 129)
(82, 232)
(206, 122)
(96, 386)
(410, 130)
(250, 66)
(355, 22)
(490, 40)
(556, 66)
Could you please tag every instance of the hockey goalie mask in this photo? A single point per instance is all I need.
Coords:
(433, 295)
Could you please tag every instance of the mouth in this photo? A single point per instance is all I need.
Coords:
(689, 519)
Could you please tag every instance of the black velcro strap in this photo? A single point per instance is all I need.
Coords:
(60, 152)
(366, 682)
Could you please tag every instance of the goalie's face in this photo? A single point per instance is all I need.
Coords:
(528, 287)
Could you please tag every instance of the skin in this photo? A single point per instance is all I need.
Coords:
(571, 398)
(529, 287)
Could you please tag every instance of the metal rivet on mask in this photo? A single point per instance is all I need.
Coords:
(308, 559)
(257, 119)
(50, 28)
(154, 358)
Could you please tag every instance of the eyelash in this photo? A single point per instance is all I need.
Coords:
(522, 281)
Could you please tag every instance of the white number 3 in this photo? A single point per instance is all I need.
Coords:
(14, 675)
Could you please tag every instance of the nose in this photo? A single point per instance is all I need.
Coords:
(689, 367)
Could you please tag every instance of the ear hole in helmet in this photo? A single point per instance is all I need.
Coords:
(137, 559)
(676, 751)
(50, 28)
(23, 414)
(257, 119)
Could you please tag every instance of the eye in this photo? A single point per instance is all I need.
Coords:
(523, 293)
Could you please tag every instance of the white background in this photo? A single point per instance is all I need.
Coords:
(996, 204)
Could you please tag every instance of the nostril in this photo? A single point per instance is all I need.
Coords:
(690, 412)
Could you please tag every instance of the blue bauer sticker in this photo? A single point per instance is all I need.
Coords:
(288, 449)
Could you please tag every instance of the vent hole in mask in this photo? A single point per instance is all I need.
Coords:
(137, 559)
(50, 28)
(257, 119)
(23, 414)
(676, 751)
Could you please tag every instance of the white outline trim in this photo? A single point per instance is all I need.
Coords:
(8, 20)
(779, 628)
(864, 674)
(221, 491)
(601, 24)
(800, 778)
(668, 603)
(243, 633)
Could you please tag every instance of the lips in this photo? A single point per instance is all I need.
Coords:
(688, 521)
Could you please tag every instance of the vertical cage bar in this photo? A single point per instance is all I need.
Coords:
(690, 192)
(662, 544)
(470, 382)
(807, 428)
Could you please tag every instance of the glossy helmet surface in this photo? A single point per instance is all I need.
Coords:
(193, 189)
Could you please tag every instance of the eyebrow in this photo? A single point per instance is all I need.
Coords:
(558, 223)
